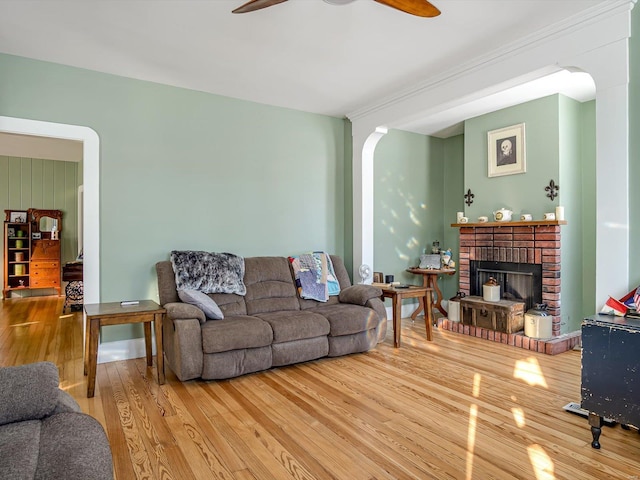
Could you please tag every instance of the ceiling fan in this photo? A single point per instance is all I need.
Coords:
(420, 8)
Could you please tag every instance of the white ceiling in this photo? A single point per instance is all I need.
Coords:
(301, 54)
(30, 146)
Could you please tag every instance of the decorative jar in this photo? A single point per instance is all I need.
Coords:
(491, 290)
(538, 323)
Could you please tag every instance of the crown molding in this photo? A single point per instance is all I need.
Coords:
(588, 17)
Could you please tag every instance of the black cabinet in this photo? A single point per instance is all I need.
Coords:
(610, 371)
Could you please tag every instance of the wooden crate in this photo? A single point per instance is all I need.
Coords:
(503, 316)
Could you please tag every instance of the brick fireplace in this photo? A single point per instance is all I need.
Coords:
(536, 243)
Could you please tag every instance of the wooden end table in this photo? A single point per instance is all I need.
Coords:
(396, 295)
(102, 314)
(430, 280)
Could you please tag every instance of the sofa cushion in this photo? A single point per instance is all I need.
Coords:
(203, 302)
(355, 343)
(19, 449)
(233, 363)
(287, 353)
(33, 393)
(270, 286)
(346, 318)
(69, 449)
(235, 332)
(295, 325)
(230, 303)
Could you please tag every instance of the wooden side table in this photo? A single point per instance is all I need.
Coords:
(396, 295)
(102, 314)
(430, 280)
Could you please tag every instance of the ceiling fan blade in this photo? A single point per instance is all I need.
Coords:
(421, 8)
(254, 5)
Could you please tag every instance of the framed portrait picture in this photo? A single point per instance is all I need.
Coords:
(18, 217)
(507, 152)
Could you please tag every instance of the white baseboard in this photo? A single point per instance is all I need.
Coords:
(409, 308)
(406, 311)
(123, 350)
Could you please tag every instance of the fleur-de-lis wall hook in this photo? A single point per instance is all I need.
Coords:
(552, 190)
(468, 197)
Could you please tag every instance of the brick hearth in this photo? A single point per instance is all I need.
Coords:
(533, 244)
(553, 346)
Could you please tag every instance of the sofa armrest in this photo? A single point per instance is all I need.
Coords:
(66, 404)
(359, 294)
(184, 311)
(28, 392)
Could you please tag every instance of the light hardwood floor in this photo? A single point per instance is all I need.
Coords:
(454, 408)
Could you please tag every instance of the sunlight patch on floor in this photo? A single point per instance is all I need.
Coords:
(541, 462)
(529, 371)
(420, 343)
(473, 419)
(23, 324)
(69, 386)
(518, 417)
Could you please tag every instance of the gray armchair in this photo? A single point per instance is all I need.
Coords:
(43, 433)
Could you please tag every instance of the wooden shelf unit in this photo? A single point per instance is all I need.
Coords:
(31, 263)
(17, 256)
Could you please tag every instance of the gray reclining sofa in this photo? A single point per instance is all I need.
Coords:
(43, 433)
(270, 325)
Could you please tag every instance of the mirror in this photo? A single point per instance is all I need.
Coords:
(47, 224)
(46, 221)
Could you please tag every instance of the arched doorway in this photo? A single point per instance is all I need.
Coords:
(91, 182)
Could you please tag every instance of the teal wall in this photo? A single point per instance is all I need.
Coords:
(453, 182)
(634, 148)
(522, 193)
(182, 169)
(570, 196)
(408, 201)
(46, 184)
(348, 199)
(588, 218)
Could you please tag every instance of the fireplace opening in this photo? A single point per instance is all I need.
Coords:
(518, 281)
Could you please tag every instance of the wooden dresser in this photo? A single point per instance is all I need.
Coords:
(45, 264)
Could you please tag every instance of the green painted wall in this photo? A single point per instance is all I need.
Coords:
(634, 148)
(453, 202)
(408, 201)
(570, 196)
(46, 184)
(182, 169)
(522, 193)
(560, 146)
(348, 198)
(588, 218)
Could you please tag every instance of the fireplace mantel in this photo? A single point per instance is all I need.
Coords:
(518, 223)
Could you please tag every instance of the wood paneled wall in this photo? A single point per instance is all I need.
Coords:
(47, 184)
